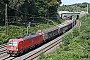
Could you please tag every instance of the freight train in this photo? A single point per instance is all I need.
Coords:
(20, 44)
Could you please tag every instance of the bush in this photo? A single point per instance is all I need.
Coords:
(66, 39)
(76, 31)
(76, 44)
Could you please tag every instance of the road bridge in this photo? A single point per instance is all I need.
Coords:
(65, 14)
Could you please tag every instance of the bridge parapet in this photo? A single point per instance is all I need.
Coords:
(63, 14)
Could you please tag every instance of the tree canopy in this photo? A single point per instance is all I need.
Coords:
(78, 7)
(26, 10)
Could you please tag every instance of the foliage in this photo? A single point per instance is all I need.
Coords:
(76, 31)
(66, 39)
(85, 27)
(74, 51)
(20, 30)
(23, 11)
(78, 7)
(76, 44)
(69, 36)
(41, 14)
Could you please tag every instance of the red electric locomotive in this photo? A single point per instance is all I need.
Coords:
(21, 44)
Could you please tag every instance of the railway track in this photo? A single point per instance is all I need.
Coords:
(43, 49)
(9, 58)
(78, 23)
(2, 52)
(3, 49)
(34, 55)
(50, 46)
(2, 46)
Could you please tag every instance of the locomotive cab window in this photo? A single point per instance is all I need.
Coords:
(12, 43)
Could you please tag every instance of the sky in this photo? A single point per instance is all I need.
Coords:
(69, 2)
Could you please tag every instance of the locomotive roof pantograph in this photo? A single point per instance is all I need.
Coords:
(28, 36)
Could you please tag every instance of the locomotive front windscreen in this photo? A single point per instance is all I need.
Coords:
(12, 43)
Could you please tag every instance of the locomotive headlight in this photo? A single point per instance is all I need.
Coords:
(16, 49)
